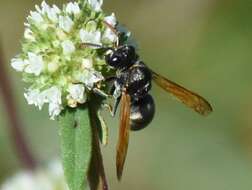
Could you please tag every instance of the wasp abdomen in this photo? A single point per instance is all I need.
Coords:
(142, 112)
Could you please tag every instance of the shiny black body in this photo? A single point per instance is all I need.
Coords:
(134, 77)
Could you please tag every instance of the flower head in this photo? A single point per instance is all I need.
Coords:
(48, 178)
(59, 69)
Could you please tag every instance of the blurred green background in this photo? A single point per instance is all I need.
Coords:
(205, 45)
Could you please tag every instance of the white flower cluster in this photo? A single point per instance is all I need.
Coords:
(60, 71)
(50, 178)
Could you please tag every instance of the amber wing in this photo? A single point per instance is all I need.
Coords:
(189, 98)
(123, 140)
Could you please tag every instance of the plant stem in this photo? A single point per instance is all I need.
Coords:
(15, 127)
(96, 174)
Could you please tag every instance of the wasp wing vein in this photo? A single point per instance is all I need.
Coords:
(123, 140)
(189, 98)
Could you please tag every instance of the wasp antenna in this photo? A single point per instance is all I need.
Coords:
(116, 32)
(113, 29)
(83, 45)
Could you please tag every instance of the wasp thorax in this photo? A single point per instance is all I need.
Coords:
(122, 58)
(139, 81)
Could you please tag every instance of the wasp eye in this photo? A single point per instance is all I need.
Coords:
(116, 59)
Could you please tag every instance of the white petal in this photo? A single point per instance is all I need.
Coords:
(36, 64)
(96, 77)
(90, 37)
(53, 95)
(77, 93)
(27, 24)
(54, 110)
(35, 97)
(91, 78)
(52, 13)
(36, 17)
(88, 77)
(18, 64)
(38, 9)
(87, 63)
(111, 19)
(56, 9)
(45, 7)
(109, 35)
(28, 34)
(95, 4)
(65, 23)
(73, 8)
(68, 47)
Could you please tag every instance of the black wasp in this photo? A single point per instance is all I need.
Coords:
(132, 84)
(134, 79)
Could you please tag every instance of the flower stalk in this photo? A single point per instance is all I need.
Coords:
(96, 175)
(22, 148)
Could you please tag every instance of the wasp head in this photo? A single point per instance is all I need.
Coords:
(122, 57)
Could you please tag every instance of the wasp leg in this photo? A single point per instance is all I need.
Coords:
(112, 109)
(101, 93)
(110, 79)
(112, 89)
(111, 82)
(116, 103)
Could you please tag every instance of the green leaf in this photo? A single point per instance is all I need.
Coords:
(76, 146)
